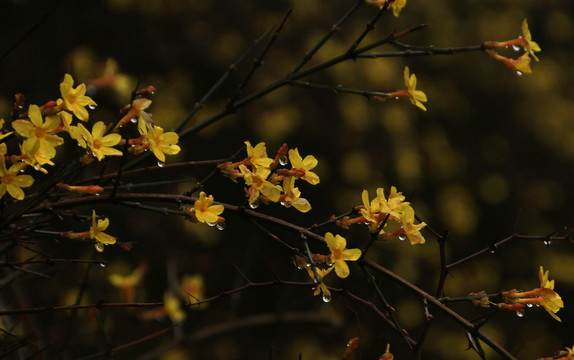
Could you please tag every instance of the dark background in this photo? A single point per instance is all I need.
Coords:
(493, 152)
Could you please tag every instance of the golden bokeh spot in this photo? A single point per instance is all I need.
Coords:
(494, 188)
(457, 209)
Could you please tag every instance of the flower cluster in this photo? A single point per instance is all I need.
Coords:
(392, 217)
(521, 64)
(266, 182)
(339, 255)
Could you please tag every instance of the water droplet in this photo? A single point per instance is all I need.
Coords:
(160, 163)
(492, 251)
(402, 237)
(515, 47)
(518, 73)
(326, 297)
(547, 243)
(397, 98)
(134, 120)
(255, 204)
(211, 224)
(103, 265)
(92, 107)
(283, 160)
(529, 305)
(220, 225)
(520, 313)
(99, 247)
(282, 203)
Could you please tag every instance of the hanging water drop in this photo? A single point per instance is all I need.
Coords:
(134, 120)
(160, 163)
(402, 237)
(99, 247)
(529, 305)
(220, 225)
(283, 160)
(103, 264)
(397, 98)
(326, 297)
(520, 313)
(515, 47)
(211, 224)
(492, 251)
(547, 243)
(92, 107)
(518, 73)
(254, 205)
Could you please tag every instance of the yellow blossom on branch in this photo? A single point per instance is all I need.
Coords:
(100, 145)
(160, 143)
(321, 288)
(544, 296)
(128, 282)
(97, 232)
(40, 143)
(387, 355)
(192, 288)
(416, 97)
(258, 184)
(530, 46)
(521, 65)
(397, 5)
(339, 254)
(75, 100)
(303, 166)
(292, 196)
(172, 308)
(204, 211)
(12, 181)
(257, 156)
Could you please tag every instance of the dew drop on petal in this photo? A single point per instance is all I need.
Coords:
(520, 313)
(160, 163)
(326, 298)
(92, 107)
(283, 160)
(254, 205)
(99, 247)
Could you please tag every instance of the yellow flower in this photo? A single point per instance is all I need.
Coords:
(527, 43)
(129, 282)
(11, 181)
(40, 143)
(192, 288)
(258, 155)
(520, 65)
(172, 308)
(339, 254)
(259, 185)
(387, 355)
(544, 296)
(160, 143)
(100, 145)
(322, 288)
(397, 5)
(2, 136)
(303, 166)
(75, 100)
(417, 97)
(97, 232)
(411, 230)
(292, 196)
(204, 211)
